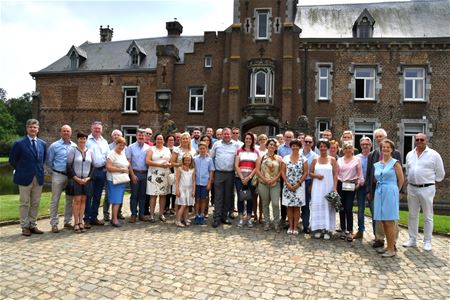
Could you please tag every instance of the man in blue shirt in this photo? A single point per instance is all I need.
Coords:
(100, 148)
(57, 162)
(195, 138)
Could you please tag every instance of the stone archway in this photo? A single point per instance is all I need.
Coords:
(250, 122)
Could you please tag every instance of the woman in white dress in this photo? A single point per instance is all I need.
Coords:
(158, 160)
(324, 172)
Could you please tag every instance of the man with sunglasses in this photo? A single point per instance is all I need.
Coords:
(148, 136)
(424, 167)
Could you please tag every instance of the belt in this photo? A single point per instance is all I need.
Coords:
(101, 167)
(421, 185)
(225, 171)
(139, 171)
(63, 173)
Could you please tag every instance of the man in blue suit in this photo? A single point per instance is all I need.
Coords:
(27, 157)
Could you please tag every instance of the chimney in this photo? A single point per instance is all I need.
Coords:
(174, 28)
(106, 34)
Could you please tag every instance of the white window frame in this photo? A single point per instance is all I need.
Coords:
(190, 128)
(129, 137)
(414, 80)
(327, 80)
(363, 129)
(269, 84)
(127, 98)
(319, 122)
(261, 13)
(197, 99)
(365, 80)
(208, 61)
(409, 130)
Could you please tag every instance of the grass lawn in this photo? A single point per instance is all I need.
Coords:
(441, 222)
(9, 206)
(3, 159)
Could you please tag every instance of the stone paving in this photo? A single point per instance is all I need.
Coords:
(161, 261)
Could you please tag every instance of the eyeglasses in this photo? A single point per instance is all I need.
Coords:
(365, 144)
(420, 140)
(149, 133)
(308, 142)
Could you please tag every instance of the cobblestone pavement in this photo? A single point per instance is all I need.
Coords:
(161, 261)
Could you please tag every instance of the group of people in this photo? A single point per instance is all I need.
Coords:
(292, 177)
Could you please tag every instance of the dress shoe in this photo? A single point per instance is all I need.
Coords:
(68, 225)
(226, 221)
(26, 232)
(143, 218)
(388, 254)
(97, 222)
(410, 243)
(35, 230)
(132, 219)
(358, 235)
(55, 229)
(378, 244)
(215, 224)
(116, 224)
(87, 225)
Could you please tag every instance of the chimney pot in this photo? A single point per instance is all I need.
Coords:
(174, 28)
(106, 34)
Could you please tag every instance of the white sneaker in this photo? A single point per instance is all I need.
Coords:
(427, 246)
(410, 243)
(326, 236)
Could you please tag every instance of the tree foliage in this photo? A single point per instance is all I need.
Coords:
(21, 109)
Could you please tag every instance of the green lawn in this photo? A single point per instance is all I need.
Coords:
(3, 159)
(9, 206)
(441, 222)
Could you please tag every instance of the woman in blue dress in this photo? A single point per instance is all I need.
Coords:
(389, 176)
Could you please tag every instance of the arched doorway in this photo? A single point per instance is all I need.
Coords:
(267, 125)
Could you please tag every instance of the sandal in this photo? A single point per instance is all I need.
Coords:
(81, 226)
(77, 229)
(162, 218)
(179, 224)
(349, 237)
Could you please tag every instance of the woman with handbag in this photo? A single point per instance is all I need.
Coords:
(294, 171)
(80, 165)
(350, 177)
(268, 169)
(117, 167)
(244, 165)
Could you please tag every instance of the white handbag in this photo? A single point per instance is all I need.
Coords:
(348, 186)
(118, 178)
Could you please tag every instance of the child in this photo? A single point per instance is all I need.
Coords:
(204, 175)
(185, 187)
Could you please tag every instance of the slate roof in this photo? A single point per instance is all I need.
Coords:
(113, 56)
(430, 18)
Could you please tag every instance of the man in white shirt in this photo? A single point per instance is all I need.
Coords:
(424, 167)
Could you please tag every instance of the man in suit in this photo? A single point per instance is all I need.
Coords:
(27, 157)
(374, 157)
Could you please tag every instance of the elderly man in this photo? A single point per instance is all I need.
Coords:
(374, 157)
(223, 152)
(100, 148)
(115, 134)
(365, 143)
(27, 157)
(136, 154)
(148, 136)
(57, 162)
(424, 167)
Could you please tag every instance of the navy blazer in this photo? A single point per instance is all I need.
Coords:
(26, 162)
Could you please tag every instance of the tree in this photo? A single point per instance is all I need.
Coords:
(21, 109)
(3, 94)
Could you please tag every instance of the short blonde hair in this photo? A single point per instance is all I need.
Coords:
(120, 140)
(262, 136)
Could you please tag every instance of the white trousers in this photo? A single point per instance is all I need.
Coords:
(420, 197)
(59, 182)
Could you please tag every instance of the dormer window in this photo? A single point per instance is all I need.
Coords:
(77, 56)
(73, 61)
(363, 26)
(137, 54)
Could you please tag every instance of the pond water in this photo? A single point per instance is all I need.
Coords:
(7, 186)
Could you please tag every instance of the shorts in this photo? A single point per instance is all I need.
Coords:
(201, 192)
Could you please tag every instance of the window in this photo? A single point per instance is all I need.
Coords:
(129, 133)
(365, 83)
(262, 19)
(321, 126)
(409, 134)
(323, 83)
(363, 129)
(208, 61)
(196, 99)
(190, 128)
(134, 57)
(364, 28)
(261, 83)
(414, 84)
(73, 61)
(130, 96)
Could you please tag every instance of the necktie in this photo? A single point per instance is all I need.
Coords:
(34, 146)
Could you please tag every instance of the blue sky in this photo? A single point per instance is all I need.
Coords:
(34, 34)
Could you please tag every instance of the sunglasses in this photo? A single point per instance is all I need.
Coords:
(420, 140)
(235, 132)
(365, 144)
(308, 142)
(148, 133)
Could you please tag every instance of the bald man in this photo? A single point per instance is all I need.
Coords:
(57, 162)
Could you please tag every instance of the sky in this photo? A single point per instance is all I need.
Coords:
(34, 34)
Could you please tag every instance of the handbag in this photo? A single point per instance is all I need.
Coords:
(348, 186)
(171, 178)
(255, 180)
(118, 178)
(245, 194)
(70, 188)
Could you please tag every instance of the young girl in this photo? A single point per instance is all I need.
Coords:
(185, 187)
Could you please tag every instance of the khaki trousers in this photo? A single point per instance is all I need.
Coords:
(30, 196)
(59, 182)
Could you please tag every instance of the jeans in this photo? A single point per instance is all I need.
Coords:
(138, 193)
(305, 209)
(239, 185)
(346, 214)
(269, 194)
(93, 201)
(223, 189)
(361, 198)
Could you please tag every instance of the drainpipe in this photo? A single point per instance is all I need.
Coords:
(305, 84)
